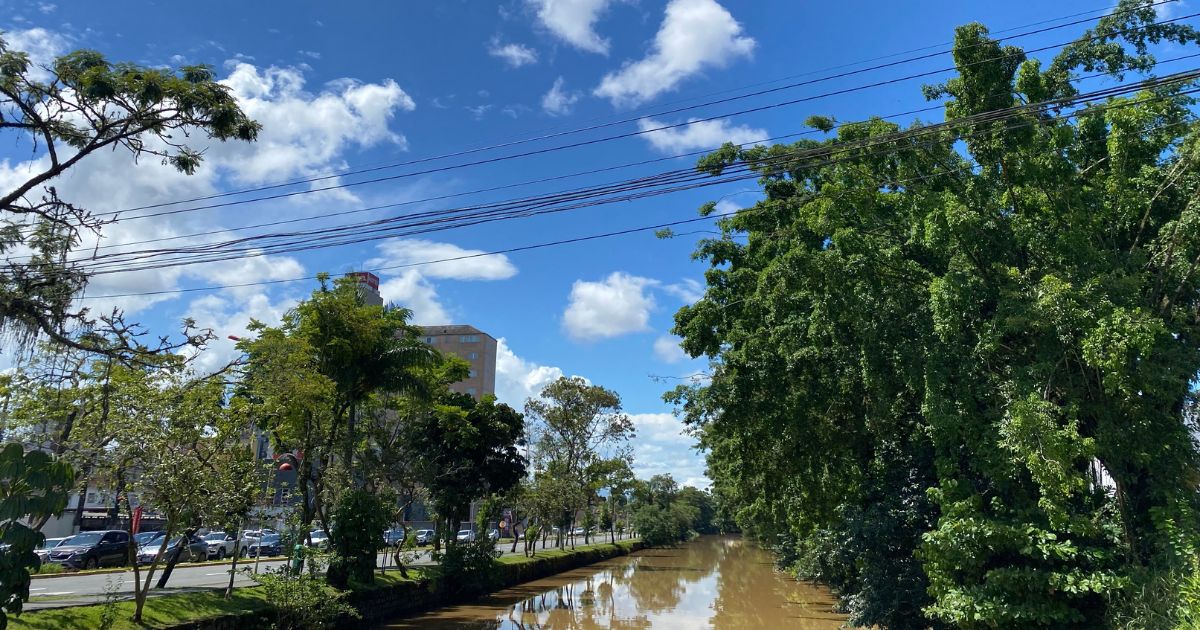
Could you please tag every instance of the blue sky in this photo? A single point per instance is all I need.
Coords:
(355, 84)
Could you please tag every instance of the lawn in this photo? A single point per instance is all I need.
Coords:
(159, 612)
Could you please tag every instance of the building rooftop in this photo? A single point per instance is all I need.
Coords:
(454, 329)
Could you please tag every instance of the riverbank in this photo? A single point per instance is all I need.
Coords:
(206, 609)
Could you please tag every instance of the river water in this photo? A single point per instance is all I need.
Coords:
(711, 582)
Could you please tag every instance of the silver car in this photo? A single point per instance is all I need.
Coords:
(43, 550)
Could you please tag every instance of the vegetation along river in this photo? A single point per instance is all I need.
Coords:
(712, 582)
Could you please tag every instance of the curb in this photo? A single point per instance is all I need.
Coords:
(126, 569)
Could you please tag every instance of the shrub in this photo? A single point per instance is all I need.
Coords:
(466, 568)
(358, 522)
(661, 526)
(302, 602)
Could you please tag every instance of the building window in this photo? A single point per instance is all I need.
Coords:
(471, 374)
(471, 391)
(472, 355)
(431, 340)
(468, 338)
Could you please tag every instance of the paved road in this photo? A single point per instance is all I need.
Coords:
(74, 590)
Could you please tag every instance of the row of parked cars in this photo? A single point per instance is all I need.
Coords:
(91, 550)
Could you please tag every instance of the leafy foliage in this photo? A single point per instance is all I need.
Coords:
(33, 485)
(358, 520)
(303, 601)
(953, 377)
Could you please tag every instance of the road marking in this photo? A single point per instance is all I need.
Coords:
(55, 593)
(221, 573)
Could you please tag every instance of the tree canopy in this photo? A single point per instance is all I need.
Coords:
(953, 372)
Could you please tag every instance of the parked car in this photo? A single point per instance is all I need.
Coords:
(43, 550)
(220, 544)
(578, 531)
(465, 535)
(196, 550)
(320, 540)
(145, 538)
(425, 536)
(393, 537)
(494, 535)
(268, 545)
(91, 550)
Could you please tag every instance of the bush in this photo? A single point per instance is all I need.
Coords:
(302, 602)
(466, 568)
(359, 520)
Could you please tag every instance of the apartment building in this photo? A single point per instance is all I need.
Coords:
(472, 344)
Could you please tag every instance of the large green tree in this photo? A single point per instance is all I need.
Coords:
(953, 369)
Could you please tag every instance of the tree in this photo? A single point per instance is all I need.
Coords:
(333, 361)
(90, 105)
(466, 450)
(576, 422)
(32, 485)
(952, 366)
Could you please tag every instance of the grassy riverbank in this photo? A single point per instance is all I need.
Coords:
(390, 594)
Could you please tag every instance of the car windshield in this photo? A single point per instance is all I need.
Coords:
(147, 537)
(51, 543)
(270, 539)
(318, 534)
(218, 536)
(87, 538)
(464, 532)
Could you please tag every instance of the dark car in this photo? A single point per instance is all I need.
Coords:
(90, 550)
(393, 537)
(268, 545)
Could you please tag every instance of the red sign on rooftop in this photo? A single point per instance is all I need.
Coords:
(365, 277)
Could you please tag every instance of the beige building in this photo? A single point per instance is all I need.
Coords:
(472, 344)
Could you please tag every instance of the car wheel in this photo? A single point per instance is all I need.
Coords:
(90, 563)
(221, 553)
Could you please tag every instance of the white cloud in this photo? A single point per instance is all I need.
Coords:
(574, 22)
(311, 54)
(667, 349)
(414, 250)
(517, 378)
(664, 446)
(477, 111)
(694, 35)
(47, 7)
(41, 45)
(558, 102)
(229, 315)
(413, 291)
(687, 290)
(708, 134)
(515, 55)
(304, 133)
(615, 306)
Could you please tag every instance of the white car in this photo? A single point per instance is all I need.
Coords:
(319, 539)
(43, 550)
(465, 535)
(220, 544)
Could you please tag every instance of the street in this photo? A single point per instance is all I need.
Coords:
(75, 590)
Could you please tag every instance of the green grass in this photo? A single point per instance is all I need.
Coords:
(159, 612)
(555, 553)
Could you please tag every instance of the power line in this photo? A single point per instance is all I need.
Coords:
(685, 183)
(555, 243)
(384, 165)
(605, 125)
(541, 180)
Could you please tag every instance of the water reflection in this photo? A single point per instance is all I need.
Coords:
(713, 582)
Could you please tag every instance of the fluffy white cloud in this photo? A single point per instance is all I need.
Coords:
(515, 55)
(615, 306)
(574, 21)
(663, 446)
(229, 315)
(694, 35)
(687, 290)
(558, 101)
(42, 45)
(303, 133)
(708, 134)
(474, 263)
(667, 349)
(411, 290)
(517, 378)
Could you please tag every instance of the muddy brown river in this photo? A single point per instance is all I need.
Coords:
(712, 582)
